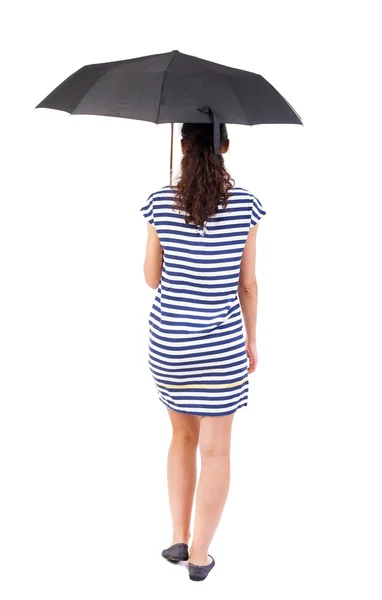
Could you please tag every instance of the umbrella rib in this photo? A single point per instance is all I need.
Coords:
(90, 88)
(239, 101)
(161, 89)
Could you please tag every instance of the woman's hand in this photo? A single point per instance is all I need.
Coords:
(252, 355)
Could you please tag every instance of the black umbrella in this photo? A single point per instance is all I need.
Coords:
(172, 88)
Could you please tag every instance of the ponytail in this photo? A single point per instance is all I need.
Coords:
(204, 182)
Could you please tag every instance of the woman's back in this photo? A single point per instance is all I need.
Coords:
(201, 267)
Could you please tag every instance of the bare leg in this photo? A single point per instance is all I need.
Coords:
(212, 492)
(181, 472)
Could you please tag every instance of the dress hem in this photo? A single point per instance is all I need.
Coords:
(205, 414)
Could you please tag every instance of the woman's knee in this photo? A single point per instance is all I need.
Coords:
(184, 435)
(214, 446)
(185, 428)
(215, 437)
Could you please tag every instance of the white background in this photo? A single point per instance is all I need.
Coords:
(84, 438)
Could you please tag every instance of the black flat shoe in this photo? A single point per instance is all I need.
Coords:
(176, 552)
(200, 572)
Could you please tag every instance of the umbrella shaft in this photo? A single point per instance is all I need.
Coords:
(171, 151)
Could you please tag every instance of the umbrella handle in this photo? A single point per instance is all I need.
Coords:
(171, 151)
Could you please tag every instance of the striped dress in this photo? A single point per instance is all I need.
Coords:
(196, 348)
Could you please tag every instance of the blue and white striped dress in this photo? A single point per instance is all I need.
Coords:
(196, 349)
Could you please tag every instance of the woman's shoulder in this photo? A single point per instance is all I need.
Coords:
(240, 190)
(164, 191)
(161, 195)
(240, 193)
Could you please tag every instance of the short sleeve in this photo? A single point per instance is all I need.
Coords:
(257, 211)
(148, 211)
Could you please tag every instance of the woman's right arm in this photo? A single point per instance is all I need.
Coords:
(247, 292)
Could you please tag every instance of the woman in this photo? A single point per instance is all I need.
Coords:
(200, 256)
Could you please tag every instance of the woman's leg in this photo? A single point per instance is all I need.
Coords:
(181, 472)
(212, 492)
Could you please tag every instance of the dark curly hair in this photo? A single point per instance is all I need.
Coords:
(204, 181)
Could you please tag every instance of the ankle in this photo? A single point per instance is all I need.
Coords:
(180, 538)
(198, 555)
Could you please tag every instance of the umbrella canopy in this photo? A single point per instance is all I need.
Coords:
(172, 88)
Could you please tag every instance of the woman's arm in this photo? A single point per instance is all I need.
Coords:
(247, 292)
(153, 263)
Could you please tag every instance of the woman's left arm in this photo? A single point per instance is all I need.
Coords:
(153, 263)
